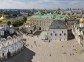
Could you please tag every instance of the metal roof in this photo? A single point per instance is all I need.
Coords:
(50, 16)
(58, 25)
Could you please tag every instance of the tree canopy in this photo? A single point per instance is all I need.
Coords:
(8, 23)
(19, 22)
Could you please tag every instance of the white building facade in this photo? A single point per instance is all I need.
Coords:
(11, 41)
(10, 46)
(78, 32)
(41, 24)
(57, 31)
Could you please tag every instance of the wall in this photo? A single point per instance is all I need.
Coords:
(57, 32)
(11, 45)
(43, 23)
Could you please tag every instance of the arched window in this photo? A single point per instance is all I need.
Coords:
(53, 31)
(55, 34)
(62, 31)
(60, 39)
(3, 54)
(82, 37)
(60, 34)
(51, 34)
(64, 34)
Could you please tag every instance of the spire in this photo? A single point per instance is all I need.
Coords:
(82, 20)
(2, 17)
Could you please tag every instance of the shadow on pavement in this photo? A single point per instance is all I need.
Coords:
(70, 35)
(37, 33)
(25, 55)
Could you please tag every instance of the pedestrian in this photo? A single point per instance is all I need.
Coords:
(35, 43)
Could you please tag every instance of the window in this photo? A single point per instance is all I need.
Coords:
(60, 39)
(51, 34)
(82, 37)
(62, 31)
(55, 34)
(2, 33)
(64, 34)
(53, 31)
(3, 54)
(83, 32)
(60, 34)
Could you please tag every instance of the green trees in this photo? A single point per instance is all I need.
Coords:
(19, 22)
(9, 23)
(24, 19)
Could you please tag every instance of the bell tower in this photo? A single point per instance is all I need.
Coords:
(82, 22)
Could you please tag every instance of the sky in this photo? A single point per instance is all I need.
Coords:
(40, 4)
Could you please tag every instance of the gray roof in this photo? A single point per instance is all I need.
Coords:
(71, 21)
(58, 25)
(81, 29)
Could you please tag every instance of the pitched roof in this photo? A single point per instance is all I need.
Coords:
(50, 16)
(58, 25)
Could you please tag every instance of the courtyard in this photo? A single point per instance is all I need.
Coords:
(54, 51)
(66, 51)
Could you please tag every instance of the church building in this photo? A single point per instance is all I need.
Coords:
(78, 31)
(11, 41)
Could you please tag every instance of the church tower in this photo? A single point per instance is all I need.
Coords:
(3, 20)
(82, 22)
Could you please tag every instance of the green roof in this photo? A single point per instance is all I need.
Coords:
(49, 16)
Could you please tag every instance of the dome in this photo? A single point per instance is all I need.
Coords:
(82, 20)
(2, 18)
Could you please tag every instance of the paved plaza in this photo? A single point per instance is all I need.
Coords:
(40, 51)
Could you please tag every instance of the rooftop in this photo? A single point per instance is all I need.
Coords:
(81, 29)
(58, 25)
(3, 20)
(49, 16)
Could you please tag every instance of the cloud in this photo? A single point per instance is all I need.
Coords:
(40, 4)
